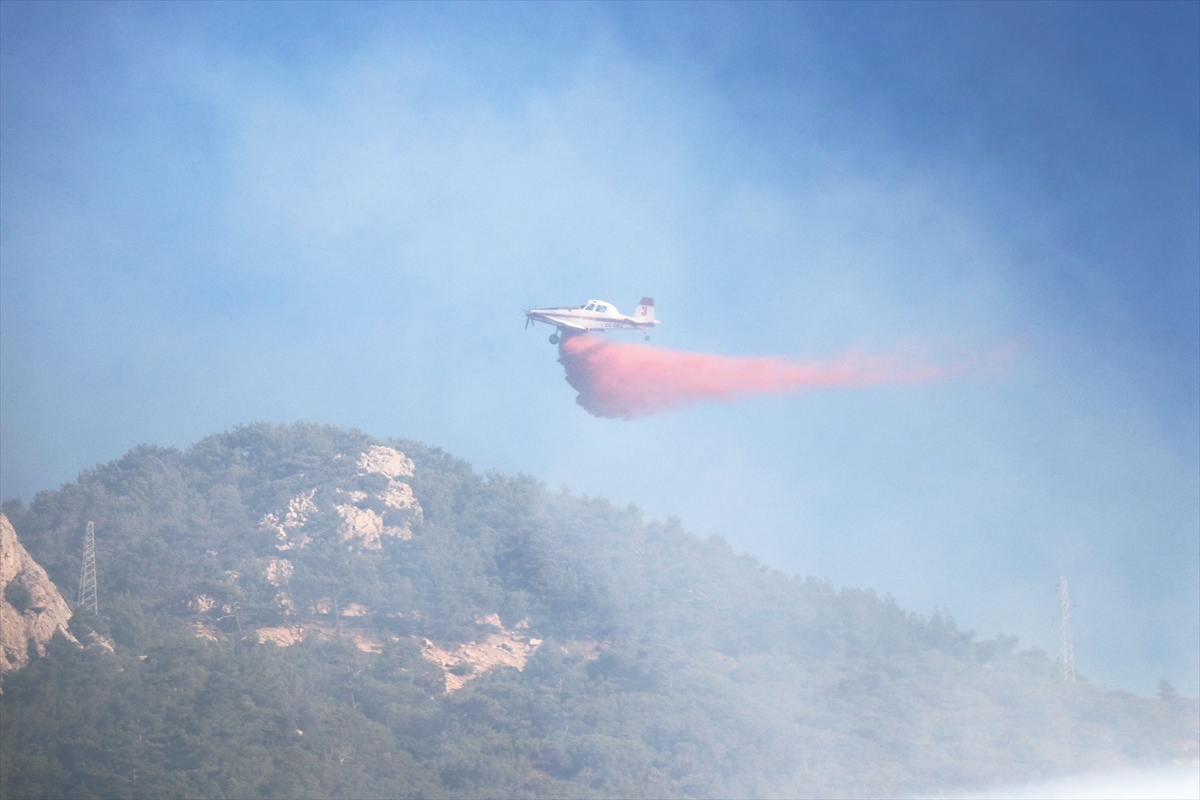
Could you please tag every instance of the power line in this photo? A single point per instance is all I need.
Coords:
(87, 575)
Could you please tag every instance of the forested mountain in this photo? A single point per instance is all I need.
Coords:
(306, 611)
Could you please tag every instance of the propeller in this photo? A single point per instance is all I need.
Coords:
(528, 319)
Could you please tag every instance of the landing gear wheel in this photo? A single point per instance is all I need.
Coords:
(647, 337)
(554, 338)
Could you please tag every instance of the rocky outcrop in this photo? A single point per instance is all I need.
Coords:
(460, 662)
(287, 525)
(466, 661)
(288, 635)
(386, 461)
(362, 525)
(277, 571)
(31, 608)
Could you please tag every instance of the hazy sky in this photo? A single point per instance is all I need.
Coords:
(214, 214)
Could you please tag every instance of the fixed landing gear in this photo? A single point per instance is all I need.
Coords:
(647, 337)
(554, 338)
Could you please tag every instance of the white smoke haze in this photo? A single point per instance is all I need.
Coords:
(1163, 783)
(345, 230)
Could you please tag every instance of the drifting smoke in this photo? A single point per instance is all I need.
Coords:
(620, 380)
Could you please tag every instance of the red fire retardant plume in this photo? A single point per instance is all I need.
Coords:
(621, 380)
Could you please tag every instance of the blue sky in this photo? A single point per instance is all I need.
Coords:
(216, 214)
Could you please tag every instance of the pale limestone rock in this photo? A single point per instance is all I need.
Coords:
(368, 644)
(365, 527)
(201, 604)
(322, 605)
(299, 509)
(277, 571)
(46, 614)
(94, 639)
(398, 531)
(399, 496)
(286, 603)
(287, 530)
(283, 636)
(287, 636)
(386, 461)
(503, 649)
(360, 526)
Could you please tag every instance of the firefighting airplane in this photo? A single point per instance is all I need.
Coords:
(595, 315)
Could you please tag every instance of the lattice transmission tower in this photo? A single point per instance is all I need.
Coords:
(1067, 657)
(87, 575)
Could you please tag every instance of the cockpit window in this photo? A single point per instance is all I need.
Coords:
(602, 309)
(590, 307)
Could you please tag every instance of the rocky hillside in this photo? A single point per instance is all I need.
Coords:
(31, 608)
(309, 611)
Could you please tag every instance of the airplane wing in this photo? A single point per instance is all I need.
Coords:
(564, 322)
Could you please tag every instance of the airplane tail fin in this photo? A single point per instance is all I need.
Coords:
(645, 310)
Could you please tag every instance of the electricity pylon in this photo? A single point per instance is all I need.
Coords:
(87, 575)
(1064, 620)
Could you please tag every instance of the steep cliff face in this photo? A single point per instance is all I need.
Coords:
(31, 608)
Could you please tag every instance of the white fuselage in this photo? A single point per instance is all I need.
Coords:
(594, 315)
